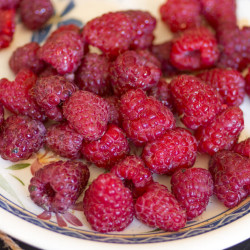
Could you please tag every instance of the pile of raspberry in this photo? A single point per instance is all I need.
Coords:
(97, 107)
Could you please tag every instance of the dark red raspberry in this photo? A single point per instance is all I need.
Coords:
(87, 113)
(132, 71)
(48, 71)
(20, 137)
(1, 115)
(243, 148)
(192, 188)
(228, 82)
(174, 150)
(194, 49)
(9, 4)
(7, 27)
(196, 102)
(108, 150)
(16, 96)
(112, 33)
(26, 57)
(247, 79)
(114, 110)
(231, 175)
(108, 204)
(157, 207)
(93, 74)
(64, 141)
(135, 175)
(35, 13)
(222, 132)
(57, 186)
(144, 118)
(180, 15)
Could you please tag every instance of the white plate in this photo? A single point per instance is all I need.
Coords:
(217, 228)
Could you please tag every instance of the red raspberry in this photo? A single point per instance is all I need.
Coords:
(87, 113)
(20, 137)
(114, 110)
(108, 150)
(93, 74)
(194, 49)
(231, 175)
(180, 15)
(144, 118)
(7, 27)
(247, 78)
(64, 141)
(35, 13)
(48, 71)
(112, 33)
(196, 102)
(9, 4)
(132, 71)
(16, 96)
(135, 175)
(1, 114)
(192, 189)
(57, 186)
(243, 148)
(108, 204)
(222, 132)
(175, 149)
(157, 207)
(26, 57)
(228, 82)
(149, 56)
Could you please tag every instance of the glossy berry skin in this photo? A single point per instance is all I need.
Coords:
(231, 175)
(243, 148)
(108, 204)
(1, 114)
(180, 15)
(194, 49)
(196, 102)
(247, 79)
(174, 150)
(9, 4)
(131, 70)
(157, 207)
(35, 13)
(20, 137)
(114, 109)
(17, 97)
(222, 132)
(228, 82)
(144, 118)
(64, 141)
(192, 188)
(57, 186)
(87, 113)
(109, 149)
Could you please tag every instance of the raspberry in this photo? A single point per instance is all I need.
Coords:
(192, 189)
(48, 71)
(26, 57)
(180, 15)
(149, 56)
(247, 78)
(231, 175)
(1, 114)
(196, 102)
(16, 96)
(109, 149)
(64, 141)
(222, 132)
(194, 49)
(175, 149)
(93, 74)
(243, 148)
(50, 93)
(131, 70)
(108, 204)
(144, 118)
(20, 137)
(35, 13)
(229, 83)
(157, 207)
(7, 27)
(57, 186)
(135, 175)
(112, 33)
(87, 113)
(9, 4)
(114, 110)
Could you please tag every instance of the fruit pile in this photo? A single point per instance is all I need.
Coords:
(98, 106)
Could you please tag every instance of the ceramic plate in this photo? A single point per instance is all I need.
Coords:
(218, 227)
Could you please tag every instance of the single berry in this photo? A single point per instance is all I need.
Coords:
(231, 175)
(108, 204)
(247, 79)
(20, 137)
(243, 148)
(9, 4)
(114, 110)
